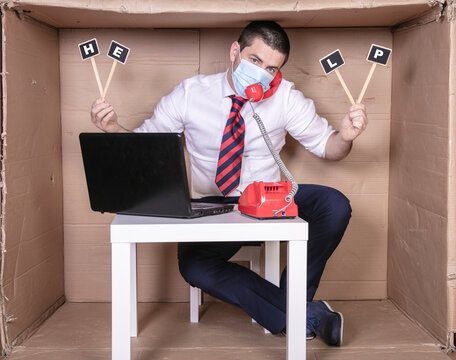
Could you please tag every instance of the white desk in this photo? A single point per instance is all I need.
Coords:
(127, 230)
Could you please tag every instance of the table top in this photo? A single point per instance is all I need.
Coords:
(232, 226)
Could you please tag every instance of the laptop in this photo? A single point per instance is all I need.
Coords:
(140, 174)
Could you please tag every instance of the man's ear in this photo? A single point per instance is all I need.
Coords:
(234, 51)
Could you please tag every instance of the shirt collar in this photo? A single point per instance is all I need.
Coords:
(226, 88)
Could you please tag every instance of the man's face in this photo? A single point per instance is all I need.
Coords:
(259, 54)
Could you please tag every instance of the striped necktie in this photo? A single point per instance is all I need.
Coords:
(231, 149)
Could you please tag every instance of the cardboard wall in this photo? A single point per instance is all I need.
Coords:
(213, 14)
(451, 233)
(418, 200)
(159, 60)
(32, 264)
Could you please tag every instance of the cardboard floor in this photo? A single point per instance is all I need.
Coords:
(373, 330)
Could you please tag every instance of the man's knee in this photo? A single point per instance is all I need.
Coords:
(322, 204)
(333, 211)
(188, 270)
(341, 208)
(196, 273)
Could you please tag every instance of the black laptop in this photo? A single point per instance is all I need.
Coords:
(140, 174)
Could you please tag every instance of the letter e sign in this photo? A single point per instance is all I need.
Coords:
(379, 54)
(89, 49)
(118, 52)
(332, 61)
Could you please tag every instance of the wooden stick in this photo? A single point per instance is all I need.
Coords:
(345, 87)
(369, 77)
(97, 75)
(113, 67)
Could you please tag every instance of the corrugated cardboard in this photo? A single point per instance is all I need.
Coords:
(32, 261)
(214, 14)
(415, 188)
(418, 200)
(451, 233)
(374, 330)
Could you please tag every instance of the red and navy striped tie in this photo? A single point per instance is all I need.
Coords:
(231, 149)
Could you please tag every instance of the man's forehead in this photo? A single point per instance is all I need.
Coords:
(265, 52)
(257, 41)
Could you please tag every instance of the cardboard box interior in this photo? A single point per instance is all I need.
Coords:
(32, 208)
(419, 150)
(401, 186)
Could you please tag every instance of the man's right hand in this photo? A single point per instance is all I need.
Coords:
(104, 117)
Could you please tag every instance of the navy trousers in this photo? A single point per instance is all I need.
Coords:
(206, 265)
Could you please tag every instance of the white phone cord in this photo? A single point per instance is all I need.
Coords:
(278, 160)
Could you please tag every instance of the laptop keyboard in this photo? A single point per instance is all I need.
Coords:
(200, 205)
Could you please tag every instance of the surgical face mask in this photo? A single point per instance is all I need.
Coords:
(247, 74)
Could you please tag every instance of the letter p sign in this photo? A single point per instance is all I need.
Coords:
(379, 54)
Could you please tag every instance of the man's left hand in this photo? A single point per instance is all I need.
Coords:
(354, 123)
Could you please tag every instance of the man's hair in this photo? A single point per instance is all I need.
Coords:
(270, 32)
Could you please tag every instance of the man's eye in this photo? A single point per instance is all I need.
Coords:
(254, 60)
(271, 70)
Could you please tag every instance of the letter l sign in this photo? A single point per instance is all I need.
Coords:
(331, 64)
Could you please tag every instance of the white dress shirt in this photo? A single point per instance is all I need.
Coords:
(200, 106)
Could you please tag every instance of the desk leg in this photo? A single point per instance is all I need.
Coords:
(121, 300)
(133, 292)
(272, 263)
(296, 300)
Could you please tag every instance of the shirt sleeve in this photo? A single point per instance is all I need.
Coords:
(169, 113)
(305, 125)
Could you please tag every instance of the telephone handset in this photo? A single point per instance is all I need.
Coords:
(255, 92)
(266, 200)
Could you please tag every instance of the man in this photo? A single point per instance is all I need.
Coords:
(223, 167)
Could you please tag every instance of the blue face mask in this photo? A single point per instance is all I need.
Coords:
(247, 74)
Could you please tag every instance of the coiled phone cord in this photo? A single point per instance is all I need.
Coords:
(278, 160)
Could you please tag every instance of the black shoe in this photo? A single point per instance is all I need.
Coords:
(325, 323)
(309, 333)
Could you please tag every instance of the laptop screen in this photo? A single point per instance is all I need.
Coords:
(136, 173)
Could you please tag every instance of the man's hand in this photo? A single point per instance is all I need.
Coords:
(104, 117)
(354, 123)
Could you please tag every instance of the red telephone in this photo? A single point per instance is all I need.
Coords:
(268, 200)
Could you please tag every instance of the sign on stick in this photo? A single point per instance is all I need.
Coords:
(332, 61)
(379, 54)
(88, 50)
(118, 52)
